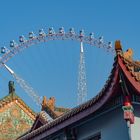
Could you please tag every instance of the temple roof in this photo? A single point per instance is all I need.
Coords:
(123, 65)
(16, 117)
(48, 105)
(48, 110)
(15, 98)
(14, 109)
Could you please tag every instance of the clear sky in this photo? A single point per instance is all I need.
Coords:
(52, 68)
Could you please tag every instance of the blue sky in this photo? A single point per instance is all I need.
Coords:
(52, 68)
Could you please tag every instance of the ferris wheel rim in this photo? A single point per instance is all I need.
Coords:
(56, 36)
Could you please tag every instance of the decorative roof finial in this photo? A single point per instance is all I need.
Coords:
(11, 87)
(44, 102)
(118, 46)
(51, 103)
(48, 103)
(128, 54)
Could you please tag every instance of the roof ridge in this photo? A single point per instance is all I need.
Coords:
(13, 96)
(127, 63)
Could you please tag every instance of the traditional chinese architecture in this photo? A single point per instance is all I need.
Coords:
(49, 113)
(111, 115)
(16, 118)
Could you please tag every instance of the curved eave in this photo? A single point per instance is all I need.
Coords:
(129, 75)
(79, 112)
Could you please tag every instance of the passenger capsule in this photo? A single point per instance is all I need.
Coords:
(91, 35)
(42, 33)
(22, 39)
(81, 33)
(100, 39)
(3, 49)
(12, 43)
(61, 30)
(109, 45)
(51, 31)
(71, 31)
(31, 35)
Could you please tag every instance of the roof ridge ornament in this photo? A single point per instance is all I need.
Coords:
(128, 54)
(44, 102)
(118, 47)
(11, 87)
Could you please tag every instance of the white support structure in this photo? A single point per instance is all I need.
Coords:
(27, 88)
(24, 85)
(81, 48)
(82, 84)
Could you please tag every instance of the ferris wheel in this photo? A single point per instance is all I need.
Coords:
(42, 36)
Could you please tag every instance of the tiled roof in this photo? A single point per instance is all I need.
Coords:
(12, 97)
(43, 117)
(131, 66)
(128, 68)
